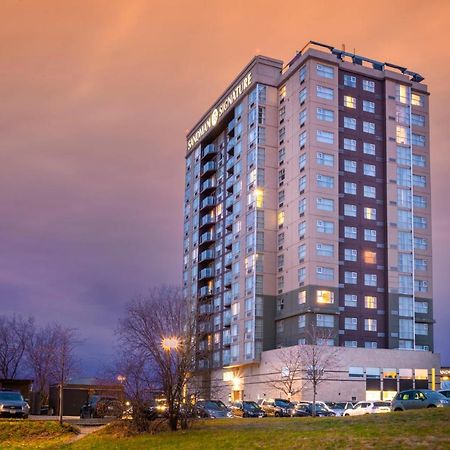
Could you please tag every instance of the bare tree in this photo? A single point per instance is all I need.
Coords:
(15, 333)
(161, 327)
(318, 358)
(289, 369)
(40, 358)
(64, 361)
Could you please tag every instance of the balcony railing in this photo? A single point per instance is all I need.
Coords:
(206, 237)
(209, 184)
(207, 220)
(208, 202)
(206, 273)
(209, 150)
(205, 291)
(207, 255)
(210, 166)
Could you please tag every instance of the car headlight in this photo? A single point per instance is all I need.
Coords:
(229, 414)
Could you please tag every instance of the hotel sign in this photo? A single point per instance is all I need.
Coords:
(219, 111)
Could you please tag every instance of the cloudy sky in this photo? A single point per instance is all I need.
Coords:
(96, 98)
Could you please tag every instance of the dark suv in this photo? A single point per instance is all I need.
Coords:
(12, 404)
(99, 406)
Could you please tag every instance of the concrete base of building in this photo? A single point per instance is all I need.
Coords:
(352, 374)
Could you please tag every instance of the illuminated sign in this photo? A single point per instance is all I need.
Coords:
(220, 110)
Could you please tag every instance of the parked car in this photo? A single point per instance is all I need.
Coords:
(12, 404)
(339, 407)
(277, 407)
(99, 406)
(247, 409)
(445, 392)
(307, 409)
(156, 409)
(362, 408)
(212, 409)
(419, 398)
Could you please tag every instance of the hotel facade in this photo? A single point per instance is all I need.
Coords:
(307, 206)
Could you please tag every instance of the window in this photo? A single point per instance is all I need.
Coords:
(325, 204)
(302, 73)
(405, 262)
(417, 100)
(370, 324)
(422, 329)
(369, 170)
(370, 344)
(368, 106)
(326, 137)
(351, 300)
(301, 275)
(369, 85)
(302, 321)
(349, 102)
(403, 176)
(350, 166)
(324, 92)
(370, 213)
(303, 95)
(324, 249)
(370, 279)
(349, 210)
(370, 192)
(368, 149)
(324, 71)
(323, 226)
(302, 206)
(302, 183)
(418, 120)
(419, 243)
(370, 302)
(282, 92)
(302, 139)
(280, 218)
(281, 176)
(349, 188)
(370, 257)
(350, 122)
(325, 296)
(369, 127)
(419, 180)
(325, 159)
(351, 323)
(419, 201)
(350, 232)
(280, 326)
(350, 144)
(301, 229)
(350, 254)
(402, 135)
(302, 252)
(421, 307)
(402, 114)
(301, 297)
(370, 235)
(325, 114)
(418, 160)
(350, 277)
(325, 320)
(325, 181)
(402, 93)
(324, 273)
(352, 344)
(420, 285)
(420, 222)
(405, 329)
(302, 161)
(350, 81)
(418, 140)
(327, 342)
(420, 265)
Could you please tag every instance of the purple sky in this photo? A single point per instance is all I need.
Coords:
(95, 103)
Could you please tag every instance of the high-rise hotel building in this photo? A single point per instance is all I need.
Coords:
(307, 202)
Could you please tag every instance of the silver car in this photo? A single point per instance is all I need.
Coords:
(417, 399)
(12, 404)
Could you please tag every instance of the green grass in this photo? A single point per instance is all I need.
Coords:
(15, 434)
(403, 430)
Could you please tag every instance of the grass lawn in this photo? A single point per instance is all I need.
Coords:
(424, 429)
(18, 433)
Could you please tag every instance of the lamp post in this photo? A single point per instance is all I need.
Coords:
(170, 343)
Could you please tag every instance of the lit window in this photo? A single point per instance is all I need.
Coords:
(324, 71)
(402, 93)
(282, 92)
(349, 102)
(301, 297)
(417, 100)
(370, 213)
(370, 324)
(402, 135)
(280, 218)
(370, 257)
(325, 297)
(370, 302)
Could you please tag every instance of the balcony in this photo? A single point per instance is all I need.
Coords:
(229, 202)
(209, 151)
(209, 167)
(208, 185)
(227, 318)
(227, 298)
(227, 279)
(228, 240)
(207, 220)
(227, 340)
(207, 273)
(231, 144)
(231, 125)
(229, 184)
(206, 237)
(205, 291)
(208, 203)
(205, 309)
(228, 259)
(207, 255)
(230, 164)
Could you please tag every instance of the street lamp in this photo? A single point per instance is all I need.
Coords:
(121, 378)
(170, 343)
